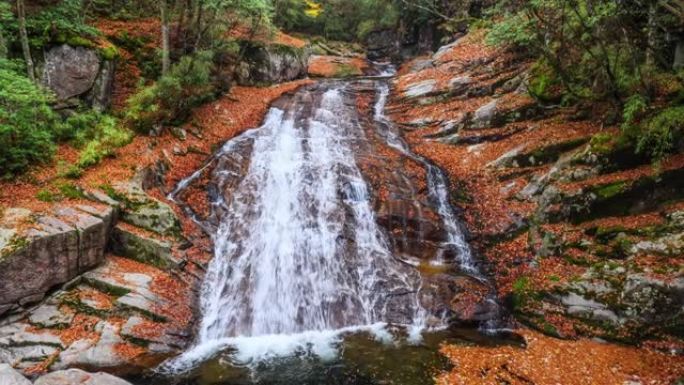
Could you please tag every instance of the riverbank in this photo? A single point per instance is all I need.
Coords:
(560, 219)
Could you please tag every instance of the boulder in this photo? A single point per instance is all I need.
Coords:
(52, 251)
(420, 89)
(9, 376)
(507, 158)
(272, 63)
(79, 377)
(70, 71)
(459, 84)
(100, 96)
(652, 300)
(484, 115)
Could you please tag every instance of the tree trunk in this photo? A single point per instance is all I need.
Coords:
(166, 60)
(23, 36)
(651, 34)
(3, 46)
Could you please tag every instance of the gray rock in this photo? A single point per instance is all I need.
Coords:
(484, 115)
(31, 353)
(100, 96)
(165, 343)
(459, 83)
(79, 377)
(669, 245)
(9, 376)
(419, 89)
(19, 334)
(14, 216)
(421, 65)
(142, 304)
(272, 64)
(49, 316)
(70, 71)
(439, 55)
(145, 249)
(506, 159)
(581, 307)
(146, 212)
(652, 300)
(54, 251)
(88, 355)
(678, 62)
(676, 219)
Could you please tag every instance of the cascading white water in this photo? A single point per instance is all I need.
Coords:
(299, 256)
(437, 184)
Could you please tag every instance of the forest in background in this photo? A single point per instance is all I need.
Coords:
(621, 61)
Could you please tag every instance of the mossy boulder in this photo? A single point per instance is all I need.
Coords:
(142, 248)
(141, 210)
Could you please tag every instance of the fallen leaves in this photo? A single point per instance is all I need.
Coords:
(549, 361)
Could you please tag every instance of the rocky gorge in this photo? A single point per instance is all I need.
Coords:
(482, 208)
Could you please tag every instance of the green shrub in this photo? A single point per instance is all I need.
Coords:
(98, 135)
(634, 109)
(660, 134)
(26, 122)
(101, 140)
(542, 80)
(515, 29)
(46, 195)
(171, 99)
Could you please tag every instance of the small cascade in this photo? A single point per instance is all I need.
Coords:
(437, 184)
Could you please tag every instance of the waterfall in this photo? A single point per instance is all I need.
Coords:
(299, 256)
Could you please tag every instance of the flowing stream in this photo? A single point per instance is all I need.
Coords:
(301, 260)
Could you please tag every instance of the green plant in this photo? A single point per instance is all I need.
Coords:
(45, 195)
(26, 122)
(97, 134)
(633, 111)
(70, 191)
(660, 134)
(171, 98)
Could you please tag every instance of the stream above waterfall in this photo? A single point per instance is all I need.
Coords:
(336, 249)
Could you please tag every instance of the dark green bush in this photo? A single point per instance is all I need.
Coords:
(26, 122)
(661, 133)
(171, 99)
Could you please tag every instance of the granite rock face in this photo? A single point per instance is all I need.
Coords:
(49, 250)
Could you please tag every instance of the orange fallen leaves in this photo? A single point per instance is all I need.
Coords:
(549, 361)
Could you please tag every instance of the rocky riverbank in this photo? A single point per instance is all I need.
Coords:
(581, 237)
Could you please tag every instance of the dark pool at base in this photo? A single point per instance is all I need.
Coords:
(362, 361)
